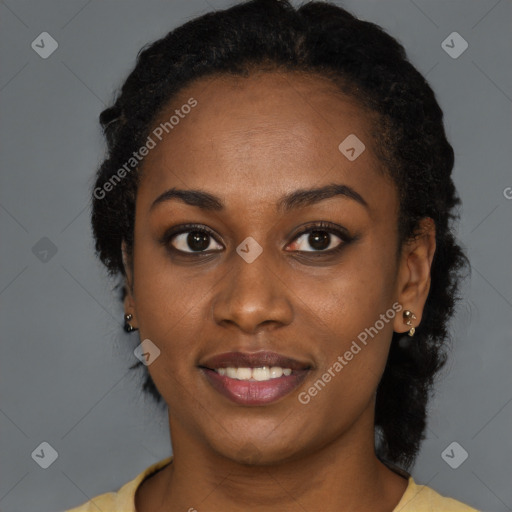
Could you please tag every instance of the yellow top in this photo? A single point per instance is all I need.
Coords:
(417, 498)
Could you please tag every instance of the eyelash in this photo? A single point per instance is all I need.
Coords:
(322, 226)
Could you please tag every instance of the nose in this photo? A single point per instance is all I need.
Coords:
(253, 295)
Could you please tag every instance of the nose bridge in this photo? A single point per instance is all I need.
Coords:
(252, 293)
(251, 270)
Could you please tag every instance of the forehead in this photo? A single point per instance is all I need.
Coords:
(268, 133)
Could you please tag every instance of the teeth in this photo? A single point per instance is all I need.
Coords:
(242, 373)
(275, 372)
(231, 373)
(258, 374)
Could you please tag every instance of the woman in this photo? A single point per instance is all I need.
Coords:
(278, 200)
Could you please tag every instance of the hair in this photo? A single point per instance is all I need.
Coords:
(361, 59)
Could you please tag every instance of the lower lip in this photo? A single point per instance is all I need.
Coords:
(252, 392)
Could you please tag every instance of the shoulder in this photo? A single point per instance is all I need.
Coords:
(124, 499)
(421, 498)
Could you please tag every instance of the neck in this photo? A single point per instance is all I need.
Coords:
(343, 475)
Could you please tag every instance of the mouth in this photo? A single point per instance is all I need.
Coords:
(253, 379)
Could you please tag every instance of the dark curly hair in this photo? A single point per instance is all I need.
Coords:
(360, 59)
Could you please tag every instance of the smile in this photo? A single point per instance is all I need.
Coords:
(251, 391)
(258, 374)
(264, 378)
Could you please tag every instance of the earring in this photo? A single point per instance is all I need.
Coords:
(128, 327)
(408, 317)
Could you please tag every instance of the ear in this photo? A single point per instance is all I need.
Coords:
(413, 282)
(129, 301)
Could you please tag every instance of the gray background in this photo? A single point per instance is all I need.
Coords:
(64, 365)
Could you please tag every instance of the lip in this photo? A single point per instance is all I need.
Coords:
(248, 392)
(253, 360)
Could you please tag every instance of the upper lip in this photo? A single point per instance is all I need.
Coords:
(252, 360)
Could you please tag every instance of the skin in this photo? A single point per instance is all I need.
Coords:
(251, 141)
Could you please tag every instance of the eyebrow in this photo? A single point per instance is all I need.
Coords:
(297, 199)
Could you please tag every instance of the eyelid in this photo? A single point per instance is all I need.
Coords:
(326, 226)
(186, 228)
(322, 225)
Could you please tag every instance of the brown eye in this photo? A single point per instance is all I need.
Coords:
(318, 240)
(197, 240)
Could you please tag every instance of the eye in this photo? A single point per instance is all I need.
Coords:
(321, 237)
(195, 240)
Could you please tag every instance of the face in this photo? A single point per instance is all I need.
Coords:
(277, 275)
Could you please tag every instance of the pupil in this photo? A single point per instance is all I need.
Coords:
(198, 241)
(319, 239)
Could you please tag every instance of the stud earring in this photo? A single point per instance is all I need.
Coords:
(128, 327)
(408, 317)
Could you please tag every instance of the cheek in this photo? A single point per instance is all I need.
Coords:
(169, 314)
(169, 307)
(354, 295)
(347, 318)
(346, 311)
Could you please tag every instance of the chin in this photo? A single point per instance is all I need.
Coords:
(259, 449)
